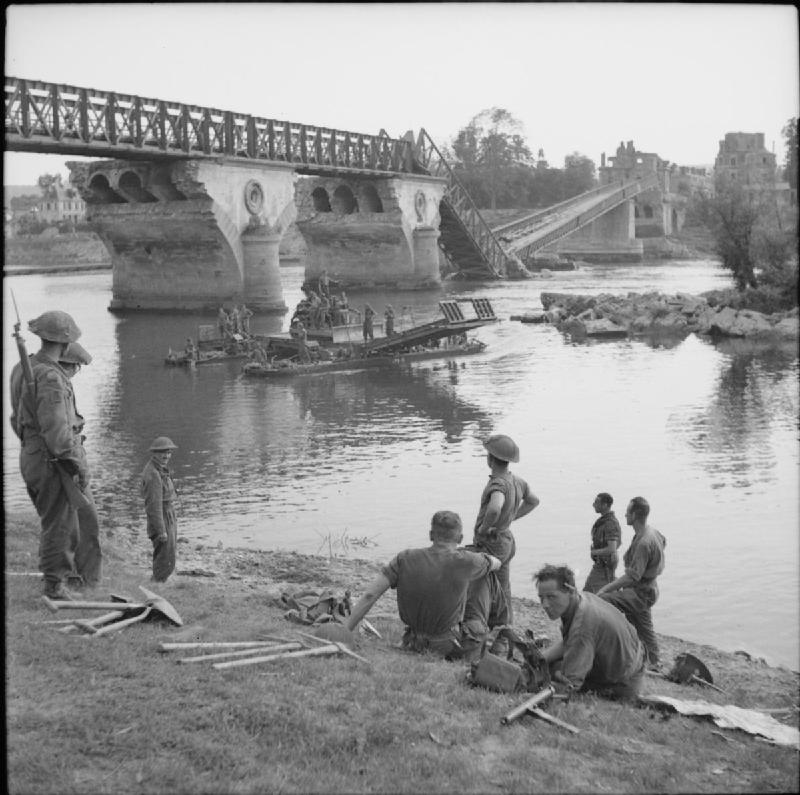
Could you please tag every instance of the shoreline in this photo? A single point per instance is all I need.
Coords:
(276, 570)
(126, 718)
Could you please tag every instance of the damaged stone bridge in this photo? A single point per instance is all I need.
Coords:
(192, 202)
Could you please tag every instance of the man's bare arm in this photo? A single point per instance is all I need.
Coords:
(374, 591)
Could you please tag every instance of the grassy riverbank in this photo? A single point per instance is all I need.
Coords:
(114, 715)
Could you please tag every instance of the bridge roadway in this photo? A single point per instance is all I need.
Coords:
(533, 232)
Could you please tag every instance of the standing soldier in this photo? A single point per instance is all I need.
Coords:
(366, 328)
(636, 591)
(389, 316)
(52, 461)
(506, 497)
(222, 322)
(606, 539)
(244, 317)
(86, 544)
(158, 492)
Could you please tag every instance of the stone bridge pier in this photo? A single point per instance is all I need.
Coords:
(609, 238)
(190, 234)
(369, 231)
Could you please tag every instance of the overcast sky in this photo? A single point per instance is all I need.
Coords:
(673, 78)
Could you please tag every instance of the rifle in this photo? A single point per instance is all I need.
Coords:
(77, 499)
(532, 706)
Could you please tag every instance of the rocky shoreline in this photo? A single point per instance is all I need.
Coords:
(607, 315)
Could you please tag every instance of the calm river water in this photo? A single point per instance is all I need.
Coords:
(355, 464)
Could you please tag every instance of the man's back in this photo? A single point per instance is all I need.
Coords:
(432, 585)
(600, 644)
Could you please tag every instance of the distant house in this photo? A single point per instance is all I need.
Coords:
(61, 203)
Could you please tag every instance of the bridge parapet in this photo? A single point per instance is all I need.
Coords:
(62, 119)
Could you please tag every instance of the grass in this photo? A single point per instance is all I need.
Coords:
(114, 715)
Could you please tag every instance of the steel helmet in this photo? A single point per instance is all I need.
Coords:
(55, 326)
(502, 447)
(163, 443)
(75, 354)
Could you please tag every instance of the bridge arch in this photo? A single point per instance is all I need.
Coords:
(344, 202)
(130, 185)
(322, 202)
(370, 201)
(102, 192)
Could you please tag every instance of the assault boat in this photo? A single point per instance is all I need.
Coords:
(283, 368)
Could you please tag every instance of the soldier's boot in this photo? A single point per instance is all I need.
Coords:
(57, 592)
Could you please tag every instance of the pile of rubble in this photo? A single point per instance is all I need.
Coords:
(655, 313)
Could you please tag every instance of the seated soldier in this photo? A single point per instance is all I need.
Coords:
(599, 649)
(432, 589)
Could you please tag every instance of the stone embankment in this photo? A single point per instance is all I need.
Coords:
(658, 314)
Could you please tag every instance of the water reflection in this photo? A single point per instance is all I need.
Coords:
(732, 437)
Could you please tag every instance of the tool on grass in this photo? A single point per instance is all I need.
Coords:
(154, 605)
(278, 647)
(688, 669)
(328, 648)
(220, 644)
(532, 706)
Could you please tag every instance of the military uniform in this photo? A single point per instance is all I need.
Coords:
(45, 419)
(601, 649)
(644, 562)
(500, 542)
(158, 492)
(432, 585)
(606, 528)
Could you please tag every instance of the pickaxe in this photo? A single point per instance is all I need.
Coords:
(153, 604)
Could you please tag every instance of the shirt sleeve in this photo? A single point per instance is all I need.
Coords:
(52, 415)
(578, 659)
(613, 532)
(392, 571)
(480, 564)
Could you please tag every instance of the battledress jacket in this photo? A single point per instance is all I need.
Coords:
(158, 492)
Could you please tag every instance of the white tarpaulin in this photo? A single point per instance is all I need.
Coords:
(731, 717)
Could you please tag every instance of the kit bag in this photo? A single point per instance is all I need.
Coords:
(511, 675)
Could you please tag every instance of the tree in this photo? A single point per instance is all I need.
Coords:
(747, 233)
(578, 175)
(790, 163)
(491, 149)
(46, 182)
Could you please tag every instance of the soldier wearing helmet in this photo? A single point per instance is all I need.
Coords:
(158, 493)
(86, 544)
(45, 420)
(505, 498)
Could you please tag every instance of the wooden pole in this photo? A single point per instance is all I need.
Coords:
(240, 653)
(329, 649)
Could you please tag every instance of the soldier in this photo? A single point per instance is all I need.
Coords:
(244, 319)
(52, 461)
(85, 544)
(223, 322)
(158, 492)
(506, 497)
(324, 284)
(366, 328)
(389, 316)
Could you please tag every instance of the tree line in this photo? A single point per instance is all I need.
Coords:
(492, 160)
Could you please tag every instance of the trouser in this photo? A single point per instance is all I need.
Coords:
(446, 645)
(618, 691)
(85, 543)
(636, 604)
(601, 574)
(502, 546)
(164, 551)
(59, 520)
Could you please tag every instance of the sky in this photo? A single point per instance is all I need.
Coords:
(580, 77)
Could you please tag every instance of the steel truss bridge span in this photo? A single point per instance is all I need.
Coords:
(52, 118)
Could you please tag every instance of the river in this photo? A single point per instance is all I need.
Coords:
(354, 464)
